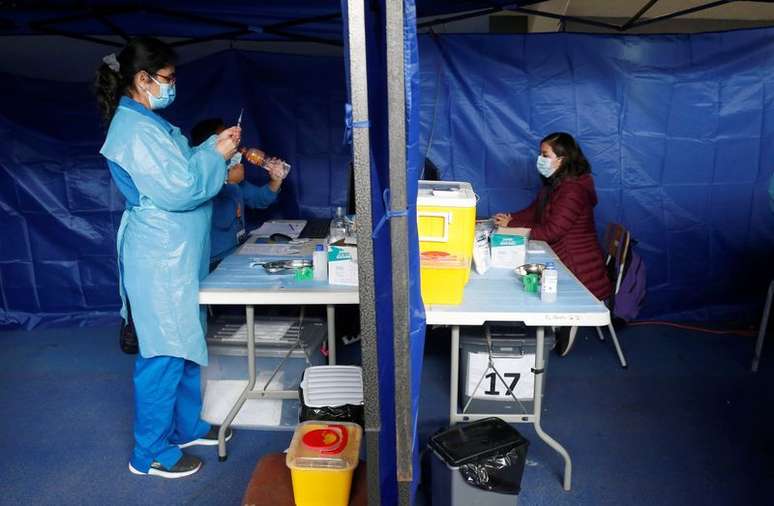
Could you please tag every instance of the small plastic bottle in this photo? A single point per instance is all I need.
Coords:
(338, 226)
(320, 263)
(254, 156)
(549, 283)
(259, 158)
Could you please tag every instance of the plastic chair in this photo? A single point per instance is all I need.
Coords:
(762, 330)
(617, 246)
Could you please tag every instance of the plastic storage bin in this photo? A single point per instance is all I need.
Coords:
(332, 393)
(225, 377)
(513, 347)
(446, 218)
(478, 464)
(322, 459)
(442, 277)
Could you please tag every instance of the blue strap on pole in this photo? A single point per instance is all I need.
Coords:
(349, 124)
(388, 213)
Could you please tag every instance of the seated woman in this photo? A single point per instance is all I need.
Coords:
(563, 216)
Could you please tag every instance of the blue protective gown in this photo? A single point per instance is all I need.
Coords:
(164, 238)
(228, 214)
(163, 253)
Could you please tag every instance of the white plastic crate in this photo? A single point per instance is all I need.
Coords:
(226, 376)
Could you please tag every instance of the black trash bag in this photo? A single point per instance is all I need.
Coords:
(489, 453)
(497, 473)
(345, 413)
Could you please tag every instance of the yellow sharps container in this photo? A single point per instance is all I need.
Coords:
(322, 459)
(446, 219)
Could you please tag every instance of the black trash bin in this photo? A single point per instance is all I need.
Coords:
(478, 463)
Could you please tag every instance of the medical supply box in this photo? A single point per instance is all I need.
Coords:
(509, 247)
(322, 459)
(342, 264)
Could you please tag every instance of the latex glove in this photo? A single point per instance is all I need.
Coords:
(275, 169)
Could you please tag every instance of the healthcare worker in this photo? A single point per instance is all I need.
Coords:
(228, 207)
(563, 216)
(163, 249)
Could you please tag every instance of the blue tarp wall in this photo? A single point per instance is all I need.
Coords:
(679, 131)
(59, 210)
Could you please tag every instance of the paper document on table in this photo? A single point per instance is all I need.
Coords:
(290, 228)
(271, 250)
(516, 371)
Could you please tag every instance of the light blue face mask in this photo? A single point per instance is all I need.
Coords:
(166, 95)
(544, 166)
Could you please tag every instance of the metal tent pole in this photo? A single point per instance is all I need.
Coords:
(396, 116)
(361, 151)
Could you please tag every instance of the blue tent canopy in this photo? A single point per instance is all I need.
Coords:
(484, 102)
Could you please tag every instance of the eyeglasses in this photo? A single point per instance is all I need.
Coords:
(171, 78)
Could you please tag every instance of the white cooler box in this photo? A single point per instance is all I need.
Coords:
(224, 379)
(513, 348)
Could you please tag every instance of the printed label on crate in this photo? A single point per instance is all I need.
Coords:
(515, 376)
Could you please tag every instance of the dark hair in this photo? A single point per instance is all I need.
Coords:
(203, 129)
(141, 53)
(573, 164)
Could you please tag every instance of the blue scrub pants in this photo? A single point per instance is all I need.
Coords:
(168, 405)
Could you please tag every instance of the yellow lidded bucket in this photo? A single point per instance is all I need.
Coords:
(443, 277)
(322, 459)
(446, 218)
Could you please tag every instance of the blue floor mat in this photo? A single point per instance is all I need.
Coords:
(685, 424)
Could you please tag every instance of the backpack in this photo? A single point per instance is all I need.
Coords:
(634, 286)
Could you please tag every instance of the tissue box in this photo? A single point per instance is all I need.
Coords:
(342, 264)
(509, 247)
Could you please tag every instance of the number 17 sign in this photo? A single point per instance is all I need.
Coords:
(516, 371)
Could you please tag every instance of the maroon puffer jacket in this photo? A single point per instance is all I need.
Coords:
(567, 225)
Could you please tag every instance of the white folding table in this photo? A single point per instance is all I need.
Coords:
(236, 282)
(497, 296)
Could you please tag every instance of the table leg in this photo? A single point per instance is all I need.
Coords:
(250, 321)
(331, 312)
(539, 365)
(455, 373)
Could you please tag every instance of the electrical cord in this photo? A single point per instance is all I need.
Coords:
(737, 332)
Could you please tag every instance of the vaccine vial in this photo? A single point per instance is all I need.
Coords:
(549, 283)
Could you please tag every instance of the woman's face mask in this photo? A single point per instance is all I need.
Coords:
(547, 166)
(166, 95)
(547, 162)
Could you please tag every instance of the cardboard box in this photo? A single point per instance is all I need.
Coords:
(509, 247)
(342, 264)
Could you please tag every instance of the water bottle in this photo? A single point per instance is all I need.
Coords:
(338, 226)
(320, 263)
(549, 283)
